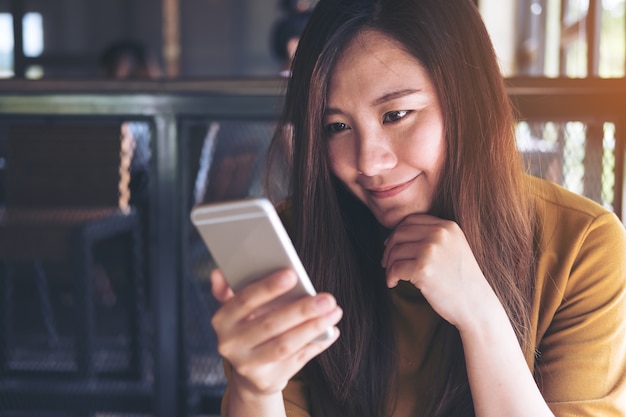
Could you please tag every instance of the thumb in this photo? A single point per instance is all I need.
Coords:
(219, 288)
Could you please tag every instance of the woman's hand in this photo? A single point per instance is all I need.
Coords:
(434, 255)
(266, 349)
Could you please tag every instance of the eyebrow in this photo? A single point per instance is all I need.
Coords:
(382, 99)
(394, 95)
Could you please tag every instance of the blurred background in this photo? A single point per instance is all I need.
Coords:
(119, 116)
(187, 38)
(207, 38)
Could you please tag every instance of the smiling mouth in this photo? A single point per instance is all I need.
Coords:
(390, 191)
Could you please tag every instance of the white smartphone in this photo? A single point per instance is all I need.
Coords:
(247, 241)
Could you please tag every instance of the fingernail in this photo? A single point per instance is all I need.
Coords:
(338, 311)
(323, 302)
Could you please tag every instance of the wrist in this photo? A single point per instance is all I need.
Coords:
(480, 307)
(242, 397)
(489, 319)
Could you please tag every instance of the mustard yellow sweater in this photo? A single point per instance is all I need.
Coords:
(578, 317)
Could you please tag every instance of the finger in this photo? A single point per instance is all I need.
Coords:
(411, 270)
(422, 219)
(414, 228)
(298, 360)
(250, 298)
(400, 250)
(219, 288)
(408, 222)
(278, 372)
(290, 345)
(260, 342)
(280, 321)
(407, 234)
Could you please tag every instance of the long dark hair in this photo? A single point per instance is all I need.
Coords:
(482, 188)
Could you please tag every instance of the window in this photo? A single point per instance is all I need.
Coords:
(612, 39)
(33, 43)
(552, 38)
(6, 45)
(580, 39)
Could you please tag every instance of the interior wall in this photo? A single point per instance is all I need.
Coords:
(227, 37)
(218, 37)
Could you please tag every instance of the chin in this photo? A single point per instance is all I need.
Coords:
(389, 220)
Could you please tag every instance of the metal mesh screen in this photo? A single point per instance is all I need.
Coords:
(225, 160)
(580, 156)
(71, 266)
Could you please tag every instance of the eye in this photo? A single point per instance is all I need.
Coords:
(335, 128)
(394, 116)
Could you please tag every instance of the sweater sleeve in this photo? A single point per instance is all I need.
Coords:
(581, 358)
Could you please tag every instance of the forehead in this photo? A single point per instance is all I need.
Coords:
(377, 63)
(369, 39)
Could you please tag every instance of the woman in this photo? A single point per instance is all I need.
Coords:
(466, 287)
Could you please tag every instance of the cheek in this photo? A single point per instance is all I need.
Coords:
(427, 150)
(341, 160)
(426, 158)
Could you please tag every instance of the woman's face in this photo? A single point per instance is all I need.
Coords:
(384, 128)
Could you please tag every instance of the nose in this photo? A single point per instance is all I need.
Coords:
(375, 153)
